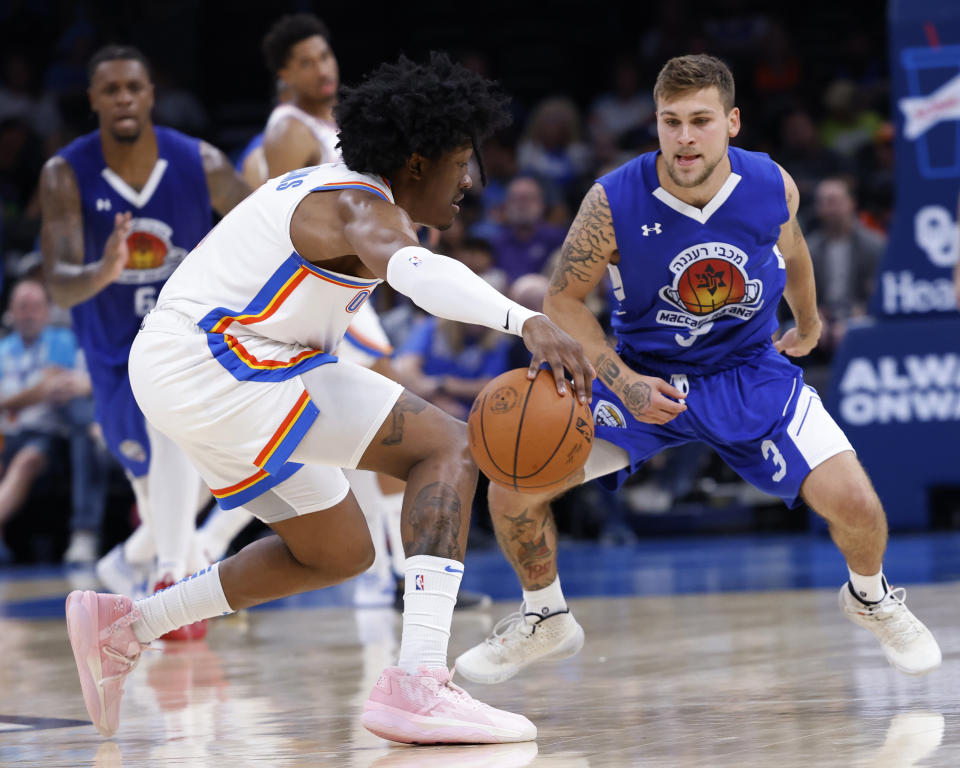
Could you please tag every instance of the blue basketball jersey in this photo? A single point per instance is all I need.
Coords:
(696, 290)
(171, 214)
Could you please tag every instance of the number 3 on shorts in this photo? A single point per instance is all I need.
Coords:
(770, 450)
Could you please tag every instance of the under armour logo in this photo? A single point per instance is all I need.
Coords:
(103, 204)
(655, 229)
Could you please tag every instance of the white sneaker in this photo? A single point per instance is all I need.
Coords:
(518, 640)
(118, 575)
(82, 549)
(906, 642)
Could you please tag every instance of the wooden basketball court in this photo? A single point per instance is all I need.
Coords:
(718, 679)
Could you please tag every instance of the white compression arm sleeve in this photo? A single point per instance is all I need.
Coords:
(447, 288)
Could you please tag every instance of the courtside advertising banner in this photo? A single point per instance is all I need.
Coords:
(915, 275)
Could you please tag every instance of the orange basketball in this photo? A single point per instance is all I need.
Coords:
(709, 284)
(525, 436)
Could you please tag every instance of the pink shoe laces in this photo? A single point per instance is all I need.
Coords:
(125, 661)
(445, 688)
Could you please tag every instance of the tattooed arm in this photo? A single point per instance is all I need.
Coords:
(591, 245)
(800, 291)
(69, 280)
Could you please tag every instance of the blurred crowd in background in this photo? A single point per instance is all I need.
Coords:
(824, 117)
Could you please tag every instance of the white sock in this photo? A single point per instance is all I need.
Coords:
(545, 601)
(191, 599)
(138, 549)
(367, 491)
(870, 589)
(222, 526)
(392, 509)
(431, 590)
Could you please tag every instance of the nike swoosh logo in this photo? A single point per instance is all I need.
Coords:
(450, 569)
(506, 327)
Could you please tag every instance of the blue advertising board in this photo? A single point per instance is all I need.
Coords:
(915, 275)
(895, 388)
(895, 391)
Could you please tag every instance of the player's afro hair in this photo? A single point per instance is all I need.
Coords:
(403, 108)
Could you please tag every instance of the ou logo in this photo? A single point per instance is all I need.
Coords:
(357, 301)
(935, 232)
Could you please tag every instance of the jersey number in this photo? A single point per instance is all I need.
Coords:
(144, 300)
(770, 450)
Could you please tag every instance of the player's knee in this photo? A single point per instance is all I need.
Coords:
(364, 558)
(862, 501)
(455, 448)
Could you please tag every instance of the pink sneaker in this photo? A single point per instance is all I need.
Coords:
(105, 650)
(427, 708)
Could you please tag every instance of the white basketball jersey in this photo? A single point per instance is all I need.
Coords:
(268, 312)
(365, 341)
(325, 133)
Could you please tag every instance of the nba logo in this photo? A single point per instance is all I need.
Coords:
(418, 582)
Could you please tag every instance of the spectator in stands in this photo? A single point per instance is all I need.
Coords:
(848, 126)
(42, 378)
(623, 109)
(805, 158)
(500, 163)
(448, 363)
(845, 256)
(876, 179)
(477, 254)
(525, 241)
(553, 151)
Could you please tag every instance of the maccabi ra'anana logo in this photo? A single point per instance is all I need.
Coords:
(709, 278)
(153, 256)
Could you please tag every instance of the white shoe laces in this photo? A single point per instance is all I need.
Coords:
(513, 623)
(899, 625)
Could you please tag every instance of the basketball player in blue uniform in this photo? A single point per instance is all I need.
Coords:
(121, 207)
(700, 240)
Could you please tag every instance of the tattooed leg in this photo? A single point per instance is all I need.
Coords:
(421, 444)
(407, 403)
(432, 523)
(527, 534)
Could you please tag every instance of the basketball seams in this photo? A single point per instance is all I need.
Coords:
(516, 447)
(483, 436)
(563, 437)
(517, 423)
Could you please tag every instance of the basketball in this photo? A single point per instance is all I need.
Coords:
(525, 436)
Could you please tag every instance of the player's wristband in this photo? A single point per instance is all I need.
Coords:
(447, 288)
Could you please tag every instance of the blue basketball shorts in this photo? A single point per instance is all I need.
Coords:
(120, 418)
(760, 417)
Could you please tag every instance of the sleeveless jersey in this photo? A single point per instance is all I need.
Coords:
(365, 341)
(268, 313)
(325, 133)
(170, 215)
(696, 290)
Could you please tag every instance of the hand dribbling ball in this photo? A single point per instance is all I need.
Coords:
(524, 435)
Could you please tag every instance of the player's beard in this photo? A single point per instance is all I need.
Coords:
(699, 179)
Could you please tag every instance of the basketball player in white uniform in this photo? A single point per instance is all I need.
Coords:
(301, 131)
(233, 366)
